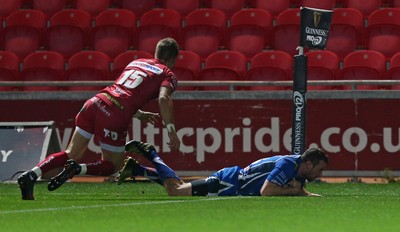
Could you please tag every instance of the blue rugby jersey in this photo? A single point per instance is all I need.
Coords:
(279, 170)
(248, 181)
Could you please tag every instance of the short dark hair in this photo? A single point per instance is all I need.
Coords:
(167, 49)
(315, 155)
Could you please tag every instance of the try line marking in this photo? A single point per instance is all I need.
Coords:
(113, 205)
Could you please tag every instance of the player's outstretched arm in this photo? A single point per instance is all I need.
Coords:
(271, 189)
(166, 106)
(304, 192)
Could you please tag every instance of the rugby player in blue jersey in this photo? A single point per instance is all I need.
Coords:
(282, 175)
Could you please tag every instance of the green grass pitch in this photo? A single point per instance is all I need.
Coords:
(145, 206)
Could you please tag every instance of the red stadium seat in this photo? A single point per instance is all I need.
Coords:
(270, 66)
(363, 65)
(325, 4)
(396, 3)
(113, 31)
(42, 66)
(346, 31)
(187, 67)
(275, 7)
(155, 25)
(250, 31)
(322, 65)
(383, 31)
(138, 7)
(365, 6)
(394, 70)
(123, 59)
(88, 66)
(287, 23)
(23, 32)
(204, 31)
(93, 7)
(229, 7)
(49, 7)
(9, 69)
(2, 24)
(340, 3)
(183, 7)
(68, 31)
(9, 6)
(223, 65)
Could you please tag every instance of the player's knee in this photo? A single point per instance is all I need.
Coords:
(116, 168)
(172, 191)
(171, 186)
(73, 155)
(111, 165)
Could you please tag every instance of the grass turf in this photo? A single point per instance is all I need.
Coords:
(146, 207)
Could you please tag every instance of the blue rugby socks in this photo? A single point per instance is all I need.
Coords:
(147, 172)
(164, 172)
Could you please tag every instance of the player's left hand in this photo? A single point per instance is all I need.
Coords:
(148, 117)
(313, 195)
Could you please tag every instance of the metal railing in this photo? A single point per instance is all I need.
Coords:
(231, 84)
(232, 93)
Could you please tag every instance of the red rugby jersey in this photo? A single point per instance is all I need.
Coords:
(139, 83)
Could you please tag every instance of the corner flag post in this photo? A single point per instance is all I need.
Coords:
(299, 103)
(314, 31)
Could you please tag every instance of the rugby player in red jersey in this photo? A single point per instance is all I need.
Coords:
(107, 115)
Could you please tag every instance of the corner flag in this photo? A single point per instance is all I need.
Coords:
(314, 32)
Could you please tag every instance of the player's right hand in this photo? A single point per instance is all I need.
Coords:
(148, 117)
(174, 142)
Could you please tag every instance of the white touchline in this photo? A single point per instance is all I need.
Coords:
(112, 205)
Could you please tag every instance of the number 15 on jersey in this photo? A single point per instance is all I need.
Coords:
(131, 78)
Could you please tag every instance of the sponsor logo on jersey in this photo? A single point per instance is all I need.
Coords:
(146, 66)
